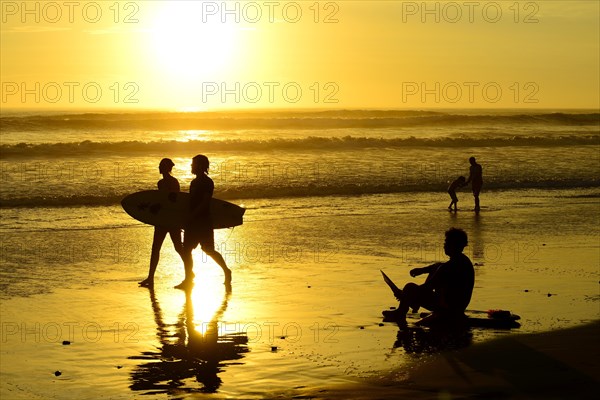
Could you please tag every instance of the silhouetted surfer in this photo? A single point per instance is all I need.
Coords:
(167, 184)
(200, 229)
(476, 180)
(448, 288)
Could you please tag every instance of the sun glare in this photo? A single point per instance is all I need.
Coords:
(187, 48)
(208, 302)
(193, 134)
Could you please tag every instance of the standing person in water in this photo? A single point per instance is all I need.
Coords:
(171, 185)
(200, 229)
(476, 180)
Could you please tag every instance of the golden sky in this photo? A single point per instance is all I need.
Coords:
(202, 55)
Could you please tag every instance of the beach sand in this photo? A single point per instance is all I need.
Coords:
(105, 355)
(562, 364)
(303, 317)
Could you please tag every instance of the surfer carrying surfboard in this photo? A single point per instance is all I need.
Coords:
(199, 229)
(168, 184)
(448, 288)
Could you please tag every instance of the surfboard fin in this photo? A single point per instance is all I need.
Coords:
(395, 289)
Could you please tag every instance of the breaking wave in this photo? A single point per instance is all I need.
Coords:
(307, 143)
(372, 119)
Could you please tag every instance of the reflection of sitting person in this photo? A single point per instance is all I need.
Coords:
(447, 289)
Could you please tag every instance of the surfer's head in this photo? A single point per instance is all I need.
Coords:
(165, 165)
(472, 160)
(456, 241)
(200, 164)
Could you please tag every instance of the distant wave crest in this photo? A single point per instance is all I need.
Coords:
(285, 120)
(307, 143)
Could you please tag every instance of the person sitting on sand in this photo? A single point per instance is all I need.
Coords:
(167, 184)
(476, 180)
(457, 183)
(448, 288)
(200, 229)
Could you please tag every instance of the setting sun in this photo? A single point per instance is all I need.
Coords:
(158, 54)
(186, 48)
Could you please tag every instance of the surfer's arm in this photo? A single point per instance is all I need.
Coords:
(424, 270)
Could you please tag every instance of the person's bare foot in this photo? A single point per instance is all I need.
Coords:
(147, 283)
(185, 284)
(395, 316)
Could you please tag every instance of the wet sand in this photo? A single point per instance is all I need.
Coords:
(129, 342)
(303, 317)
(562, 364)
(128, 345)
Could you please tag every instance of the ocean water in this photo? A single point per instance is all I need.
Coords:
(332, 197)
(96, 159)
(63, 176)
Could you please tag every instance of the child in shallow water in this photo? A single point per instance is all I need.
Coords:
(457, 183)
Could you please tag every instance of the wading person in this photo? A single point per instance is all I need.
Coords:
(475, 179)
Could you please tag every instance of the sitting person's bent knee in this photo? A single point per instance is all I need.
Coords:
(410, 288)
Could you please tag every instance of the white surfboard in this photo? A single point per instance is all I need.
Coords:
(171, 210)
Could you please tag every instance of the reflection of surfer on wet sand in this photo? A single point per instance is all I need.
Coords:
(187, 353)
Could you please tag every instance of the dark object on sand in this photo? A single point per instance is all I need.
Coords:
(495, 319)
(66, 342)
(57, 373)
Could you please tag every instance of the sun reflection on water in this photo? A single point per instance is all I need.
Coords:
(207, 301)
(192, 134)
(192, 353)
